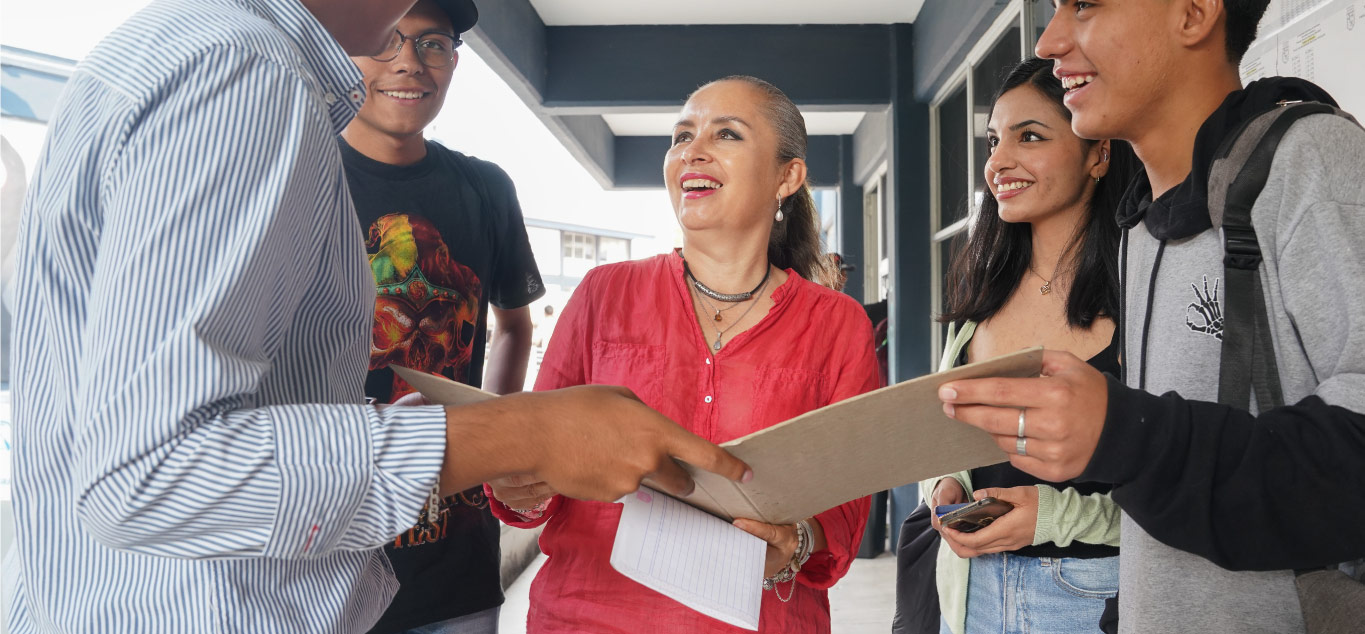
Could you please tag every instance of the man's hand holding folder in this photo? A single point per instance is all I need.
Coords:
(589, 442)
(1049, 425)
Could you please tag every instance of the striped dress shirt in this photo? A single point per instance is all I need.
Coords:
(192, 451)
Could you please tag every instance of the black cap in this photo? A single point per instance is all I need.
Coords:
(462, 13)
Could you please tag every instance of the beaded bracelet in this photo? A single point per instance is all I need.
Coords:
(805, 542)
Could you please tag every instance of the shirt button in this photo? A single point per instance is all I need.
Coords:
(329, 98)
(708, 360)
(707, 399)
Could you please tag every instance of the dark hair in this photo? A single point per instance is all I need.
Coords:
(996, 254)
(795, 242)
(1243, 19)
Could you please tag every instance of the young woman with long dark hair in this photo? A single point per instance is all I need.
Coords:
(1039, 267)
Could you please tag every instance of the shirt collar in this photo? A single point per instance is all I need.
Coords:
(342, 88)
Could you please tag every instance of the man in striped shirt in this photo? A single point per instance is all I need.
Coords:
(193, 321)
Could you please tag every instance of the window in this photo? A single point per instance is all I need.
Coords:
(612, 250)
(952, 159)
(827, 206)
(1035, 22)
(583, 251)
(580, 253)
(988, 75)
(958, 134)
(952, 177)
(876, 264)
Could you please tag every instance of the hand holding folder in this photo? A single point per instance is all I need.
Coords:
(880, 440)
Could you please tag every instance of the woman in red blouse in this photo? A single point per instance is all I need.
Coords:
(726, 337)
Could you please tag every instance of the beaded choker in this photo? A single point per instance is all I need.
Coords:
(725, 297)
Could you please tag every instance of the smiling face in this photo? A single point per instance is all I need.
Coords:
(403, 95)
(1117, 60)
(722, 171)
(1038, 167)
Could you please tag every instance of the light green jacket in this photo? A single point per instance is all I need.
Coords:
(1064, 515)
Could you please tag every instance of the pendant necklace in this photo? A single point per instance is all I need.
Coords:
(721, 331)
(711, 306)
(1047, 283)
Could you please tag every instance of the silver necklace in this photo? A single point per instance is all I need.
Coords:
(713, 307)
(730, 298)
(721, 331)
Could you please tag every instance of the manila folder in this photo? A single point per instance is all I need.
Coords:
(869, 443)
(440, 390)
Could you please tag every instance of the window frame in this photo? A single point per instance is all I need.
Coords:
(1021, 14)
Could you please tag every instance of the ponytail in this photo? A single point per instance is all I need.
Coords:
(795, 242)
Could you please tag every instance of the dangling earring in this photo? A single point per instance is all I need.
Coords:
(1097, 180)
(779, 209)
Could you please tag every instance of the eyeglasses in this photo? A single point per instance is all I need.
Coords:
(435, 50)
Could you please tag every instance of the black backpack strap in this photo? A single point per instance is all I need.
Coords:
(1235, 181)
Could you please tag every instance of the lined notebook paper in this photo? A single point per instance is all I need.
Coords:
(691, 556)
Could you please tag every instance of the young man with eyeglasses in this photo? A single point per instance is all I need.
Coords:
(446, 239)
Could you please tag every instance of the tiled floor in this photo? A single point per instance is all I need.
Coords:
(861, 603)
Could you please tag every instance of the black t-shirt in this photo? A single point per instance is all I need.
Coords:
(445, 237)
(1005, 475)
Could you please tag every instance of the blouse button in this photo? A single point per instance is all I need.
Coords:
(707, 399)
(708, 360)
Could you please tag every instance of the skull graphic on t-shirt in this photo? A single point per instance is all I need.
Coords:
(427, 304)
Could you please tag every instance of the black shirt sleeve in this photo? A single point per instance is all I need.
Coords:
(1285, 489)
(516, 278)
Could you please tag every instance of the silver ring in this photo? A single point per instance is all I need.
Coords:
(1021, 421)
(1019, 446)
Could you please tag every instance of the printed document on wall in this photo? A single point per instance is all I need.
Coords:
(1318, 40)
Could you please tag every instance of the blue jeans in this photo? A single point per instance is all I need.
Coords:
(485, 622)
(1010, 594)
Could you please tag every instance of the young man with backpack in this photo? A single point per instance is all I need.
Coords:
(1254, 457)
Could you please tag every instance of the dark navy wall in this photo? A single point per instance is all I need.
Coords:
(510, 36)
(911, 308)
(850, 219)
(871, 141)
(947, 31)
(637, 66)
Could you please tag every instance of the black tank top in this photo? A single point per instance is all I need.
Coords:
(1004, 475)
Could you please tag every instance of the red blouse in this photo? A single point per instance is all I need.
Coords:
(632, 324)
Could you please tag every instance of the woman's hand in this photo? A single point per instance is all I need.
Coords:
(782, 541)
(947, 491)
(520, 493)
(1011, 531)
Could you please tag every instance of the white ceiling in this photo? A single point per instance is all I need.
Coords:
(613, 12)
(661, 123)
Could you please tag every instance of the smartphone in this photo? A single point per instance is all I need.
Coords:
(973, 516)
